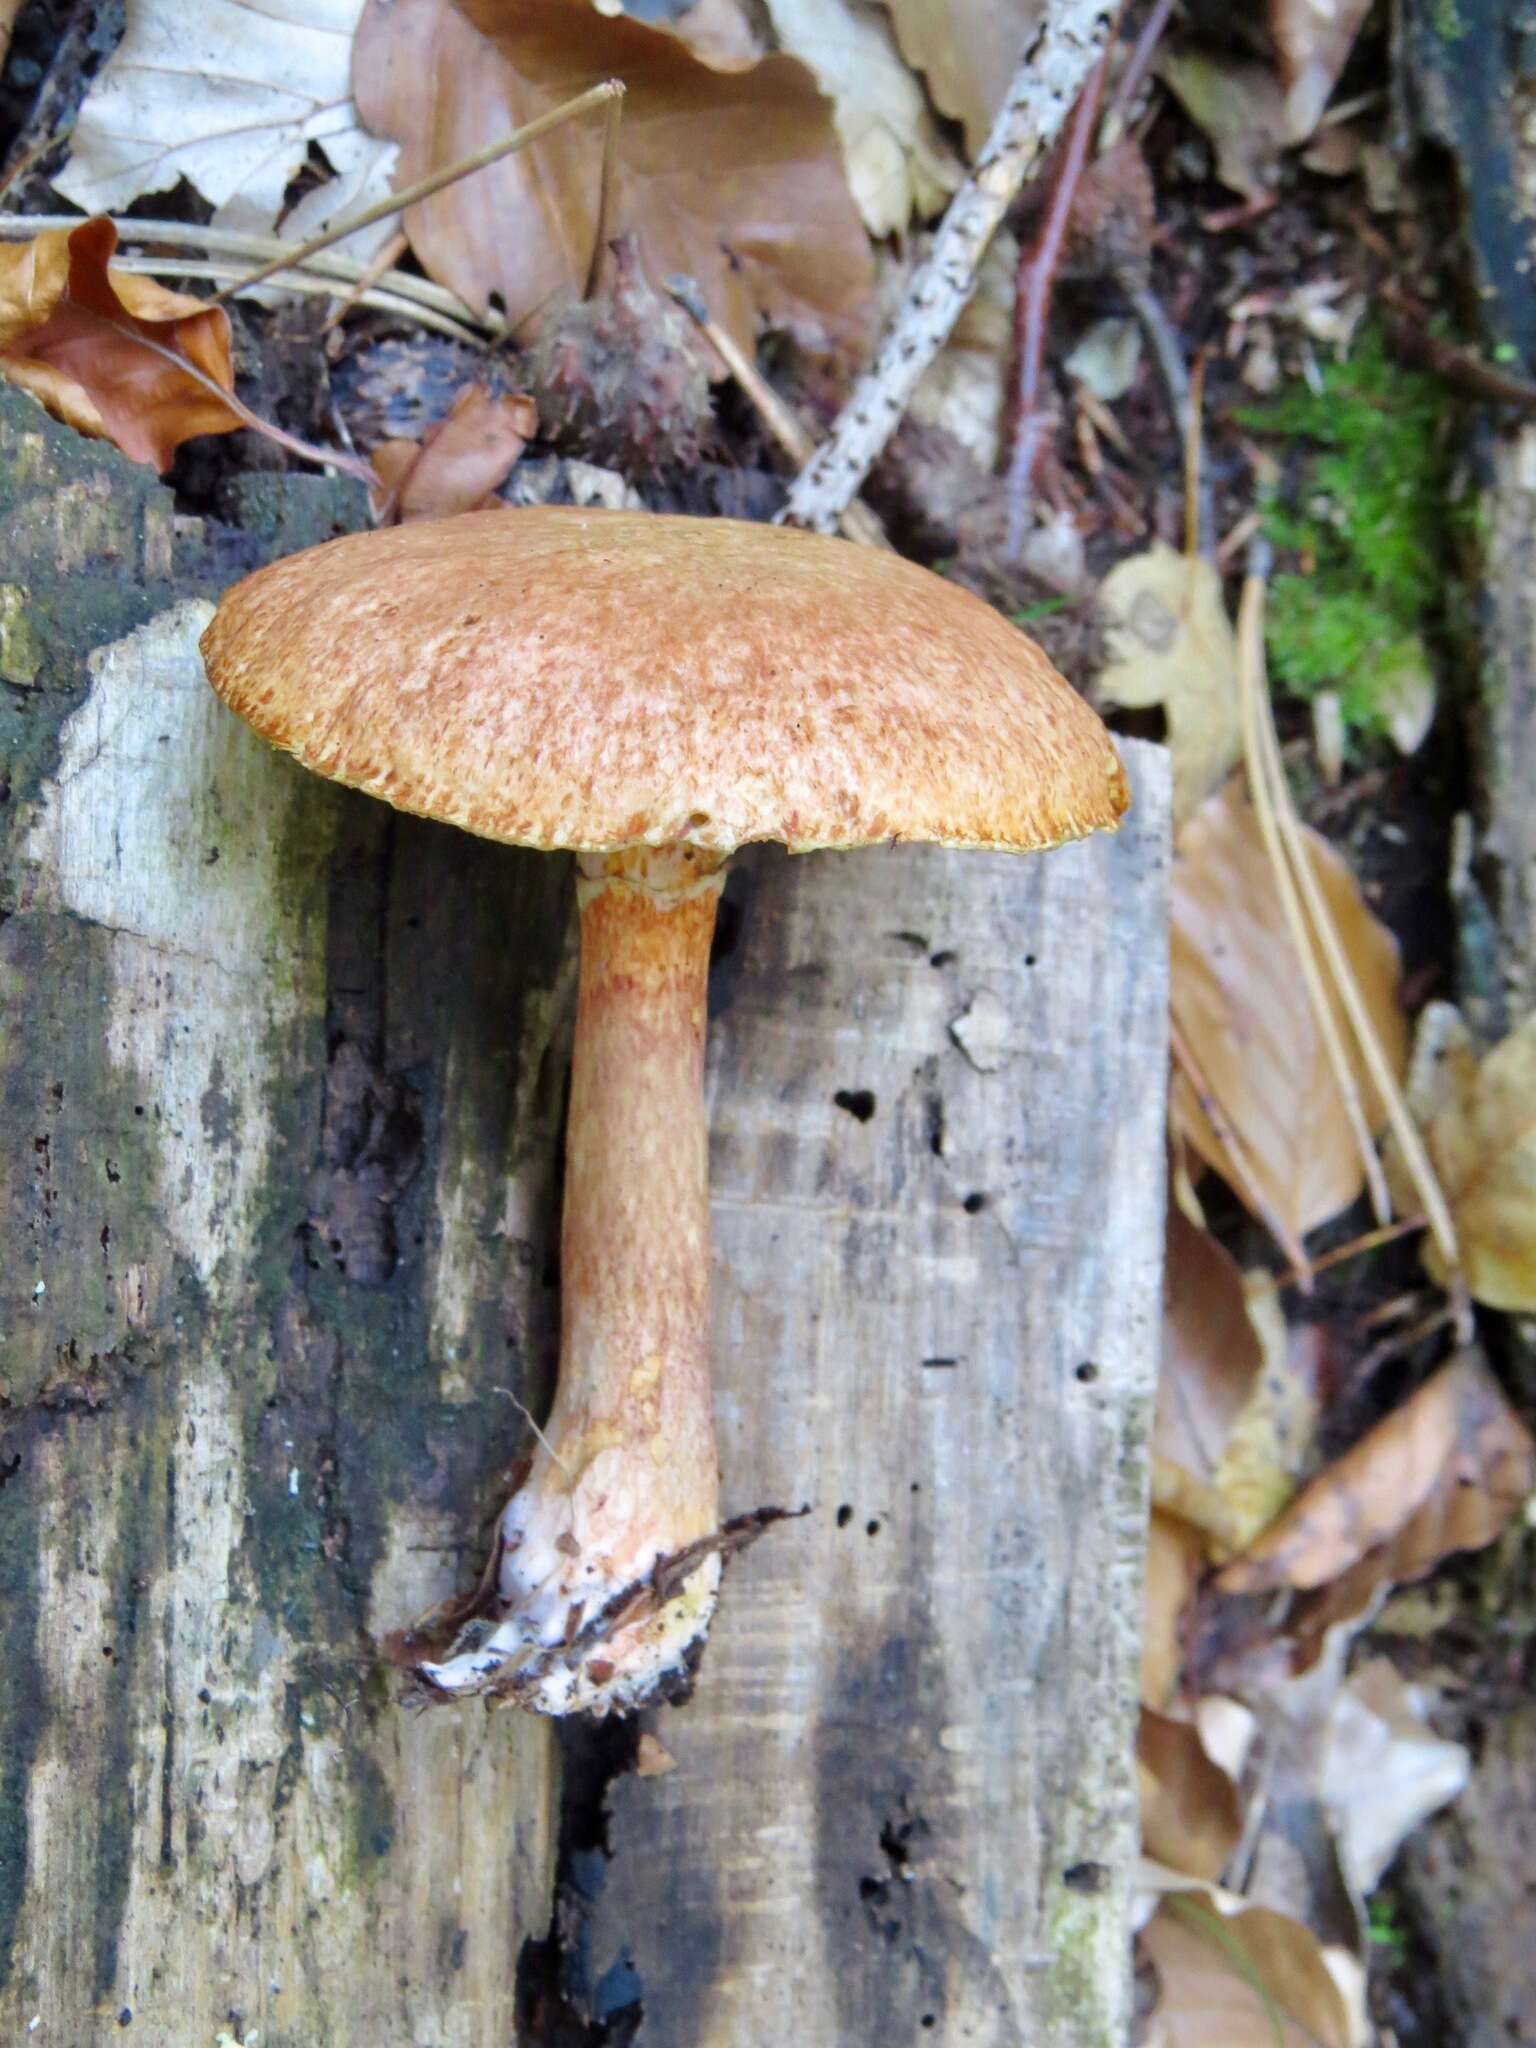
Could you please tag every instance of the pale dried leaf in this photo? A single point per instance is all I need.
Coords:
(733, 179)
(1169, 641)
(1384, 1769)
(1313, 39)
(1479, 1123)
(459, 463)
(1190, 1814)
(721, 33)
(898, 163)
(1240, 1005)
(1107, 357)
(968, 51)
(90, 344)
(1234, 1976)
(652, 1757)
(230, 97)
(1442, 1473)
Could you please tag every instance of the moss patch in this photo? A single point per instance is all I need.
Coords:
(1364, 515)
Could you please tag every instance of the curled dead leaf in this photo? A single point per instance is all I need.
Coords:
(115, 356)
(1239, 1006)
(733, 179)
(1211, 1354)
(1442, 1473)
(1191, 1817)
(459, 462)
(1170, 642)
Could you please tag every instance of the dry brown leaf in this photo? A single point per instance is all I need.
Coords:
(1191, 1816)
(1314, 39)
(968, 51)
(1442, 1473)
(731, 178)
(111, 355)
(652, 1757)
(1239, 1005)
(1174, 1558)
(1270, 1443)
(1169, 641)
(458, 463)
(1479, 1123)
(1236, 1977)
(1211, 1354)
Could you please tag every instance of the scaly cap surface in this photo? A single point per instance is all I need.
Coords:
(557, 677)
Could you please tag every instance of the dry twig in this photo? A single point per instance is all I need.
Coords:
(1042, 95)
(858, 522)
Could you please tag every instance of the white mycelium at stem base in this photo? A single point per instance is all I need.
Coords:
(626, 1474)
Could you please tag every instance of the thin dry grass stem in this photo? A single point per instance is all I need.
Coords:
(1237, 1157)
(857, 521)
(610, 90)
(608, 184)
(1416, 1160)
(388, 256)
(377, 300)
(1252, 691)
(1371, 1241)
(227, 242)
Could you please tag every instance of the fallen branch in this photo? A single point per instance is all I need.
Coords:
(1042, 95)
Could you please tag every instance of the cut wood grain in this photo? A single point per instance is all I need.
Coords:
(903, 1806)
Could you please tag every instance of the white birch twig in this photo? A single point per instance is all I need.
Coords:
(1039, 100)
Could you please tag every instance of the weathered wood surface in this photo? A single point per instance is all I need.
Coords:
(903, 1806)
(281, 1077)
(277, 1143)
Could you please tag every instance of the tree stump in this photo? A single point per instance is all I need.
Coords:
(281, 1084)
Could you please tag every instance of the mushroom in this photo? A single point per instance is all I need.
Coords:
(652, 692)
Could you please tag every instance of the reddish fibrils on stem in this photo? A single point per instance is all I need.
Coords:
(626, 1473)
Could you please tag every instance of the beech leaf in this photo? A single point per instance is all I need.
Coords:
(459, 462)
(968, 51)
(1191, 1816)
(733, 179)
(1238, 1976)
(113, 355)
(1239, 1005)
(1442, 1473)
(230, 97)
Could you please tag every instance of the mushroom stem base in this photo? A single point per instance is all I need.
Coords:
(608, 1557)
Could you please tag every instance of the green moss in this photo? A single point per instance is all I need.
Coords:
(1364, 516)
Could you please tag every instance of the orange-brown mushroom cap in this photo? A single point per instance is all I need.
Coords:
(557, 677)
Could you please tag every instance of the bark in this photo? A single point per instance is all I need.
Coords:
(281, 1084)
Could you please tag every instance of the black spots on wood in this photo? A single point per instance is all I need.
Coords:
(872, 1526)
(1087, 1372)
(914, 941)
(975, 1203)
(940, 1363)
(934, 1128)
(945, 957)
(844, 1515)
(1086, 1877)
(858, 1102)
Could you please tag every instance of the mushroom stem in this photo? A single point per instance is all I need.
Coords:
(625, 1476)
